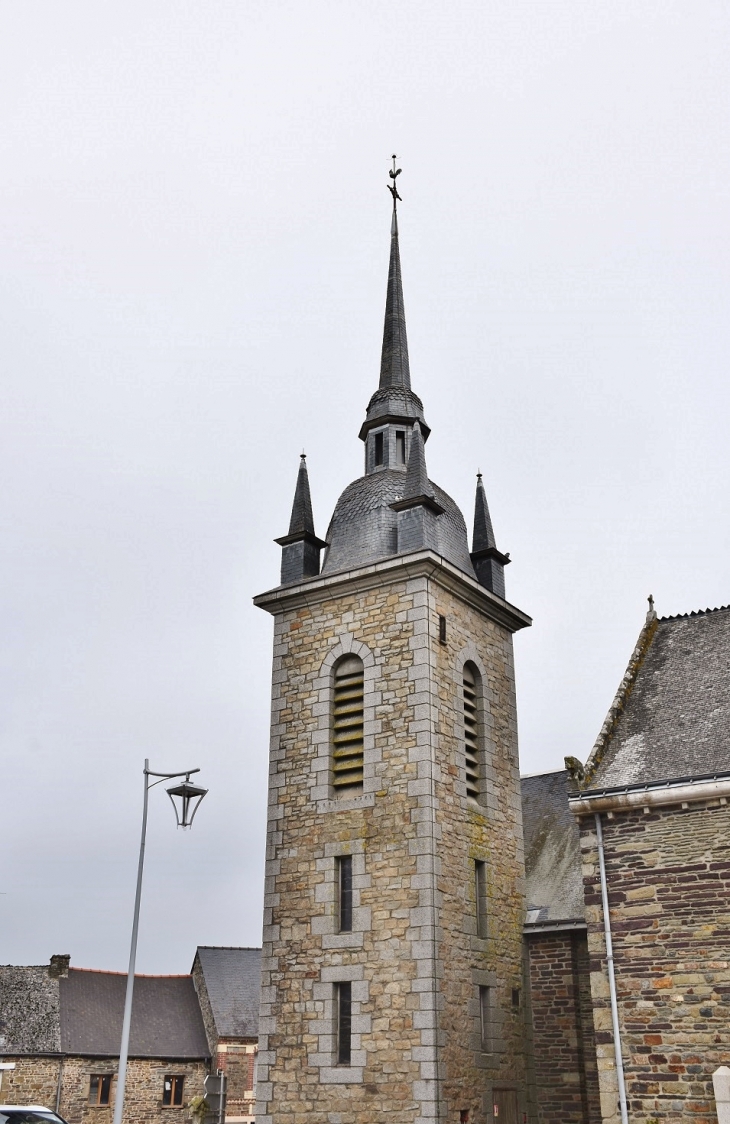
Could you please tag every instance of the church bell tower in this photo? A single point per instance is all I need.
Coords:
(392, 983)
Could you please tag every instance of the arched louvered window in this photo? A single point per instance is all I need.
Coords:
(347, 726)
(471, 731)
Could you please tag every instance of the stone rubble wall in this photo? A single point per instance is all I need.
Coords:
(668, 875)
(35, 1081)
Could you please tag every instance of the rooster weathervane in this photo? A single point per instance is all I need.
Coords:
(392, 187)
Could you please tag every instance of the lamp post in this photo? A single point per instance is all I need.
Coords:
(190, 797)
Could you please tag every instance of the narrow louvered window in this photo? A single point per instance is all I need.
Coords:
(471, 732)
(347, 726)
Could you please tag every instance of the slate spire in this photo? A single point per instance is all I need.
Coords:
(301, 512)
(394, 366)
(488, 562)
(483, 532)
(300, 547)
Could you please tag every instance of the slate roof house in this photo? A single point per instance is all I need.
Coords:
(228, 982)
(649, 815)
(60, 1029)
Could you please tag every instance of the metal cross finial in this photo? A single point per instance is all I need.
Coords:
(650, 599)
(392, 187)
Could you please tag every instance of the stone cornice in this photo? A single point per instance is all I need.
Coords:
(423, 563)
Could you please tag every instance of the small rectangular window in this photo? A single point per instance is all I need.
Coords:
(485, 1017)
(400, 447)
(480, 897)
(442, 630)
(100, 1088)
(515, 997)
(344, 893)
(378, 448)
(343, 1000)
(172, 1091)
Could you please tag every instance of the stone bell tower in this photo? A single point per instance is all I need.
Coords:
(392, 945)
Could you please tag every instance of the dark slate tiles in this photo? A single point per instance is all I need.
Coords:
(676, 720)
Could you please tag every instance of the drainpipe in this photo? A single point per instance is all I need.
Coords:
(611, 977)
(58, 1086)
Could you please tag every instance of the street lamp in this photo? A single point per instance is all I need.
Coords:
(190, 797)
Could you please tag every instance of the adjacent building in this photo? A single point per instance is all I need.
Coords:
(228, 984)
(60, 1030)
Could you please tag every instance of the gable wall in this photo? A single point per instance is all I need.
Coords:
(668, 876)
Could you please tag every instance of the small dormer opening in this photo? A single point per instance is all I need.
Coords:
(400, 447)
(378, 448)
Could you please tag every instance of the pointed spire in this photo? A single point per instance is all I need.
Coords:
(300, 547)
(301, 513)
(417, 482)
(488, 562)
(394, 367)
(483, 531)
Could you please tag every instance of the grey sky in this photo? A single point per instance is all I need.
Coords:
(194, 252)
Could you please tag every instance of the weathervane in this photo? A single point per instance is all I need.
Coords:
(392, 187)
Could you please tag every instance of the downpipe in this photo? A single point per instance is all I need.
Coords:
(611, 977)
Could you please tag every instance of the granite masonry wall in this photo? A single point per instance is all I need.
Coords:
(668, 876)
(35, 1081)
(565, 1071)
(414, 958)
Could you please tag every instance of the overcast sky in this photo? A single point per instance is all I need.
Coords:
(194, 228)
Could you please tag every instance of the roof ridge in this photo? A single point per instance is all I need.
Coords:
(137, 975)
(696, 613)
(232, 947)
(547, 773)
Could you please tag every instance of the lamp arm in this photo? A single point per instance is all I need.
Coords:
(169, 776)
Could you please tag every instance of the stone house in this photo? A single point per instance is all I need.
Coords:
(227, 982)
(650, 809)
(60, 1030)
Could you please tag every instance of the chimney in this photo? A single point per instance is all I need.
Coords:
(58, 968)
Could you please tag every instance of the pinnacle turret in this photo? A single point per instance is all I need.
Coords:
(301, 512)
(300, 547)
(488, 562)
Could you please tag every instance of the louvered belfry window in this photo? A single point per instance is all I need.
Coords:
(471, 733)
(347, 726)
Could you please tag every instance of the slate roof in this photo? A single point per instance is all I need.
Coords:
(29, 1011)
(166, 1018)
(554, 880)
(363, 528)
(233, 982)
(672, 715)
